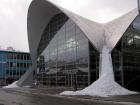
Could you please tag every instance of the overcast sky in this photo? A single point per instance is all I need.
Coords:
(13, 16)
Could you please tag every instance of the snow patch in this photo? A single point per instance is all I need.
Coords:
(27, 86)
(13, 85)
(105, 86)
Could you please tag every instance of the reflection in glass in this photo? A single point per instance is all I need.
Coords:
(126, 57)
(66, 53)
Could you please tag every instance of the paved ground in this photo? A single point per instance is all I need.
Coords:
(49, 96)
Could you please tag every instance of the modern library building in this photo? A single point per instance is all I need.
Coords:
(65, 47)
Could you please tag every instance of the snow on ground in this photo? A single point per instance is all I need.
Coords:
(27, 86)
(13, 85)
(105, 86)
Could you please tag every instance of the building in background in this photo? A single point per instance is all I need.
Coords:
(13, 65)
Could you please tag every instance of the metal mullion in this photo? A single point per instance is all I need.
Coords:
(88, 64)
(122, 70)
(16, 65)
(56, 62)
(26, 62)
(65, 55)
(76, 56)
(12, 60)
(2, 66)
(19, 65)
(9, 66)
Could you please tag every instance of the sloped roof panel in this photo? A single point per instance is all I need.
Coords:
(41, 11)
(115, 29)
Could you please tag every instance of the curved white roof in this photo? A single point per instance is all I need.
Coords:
(101, 11)
(41, 11)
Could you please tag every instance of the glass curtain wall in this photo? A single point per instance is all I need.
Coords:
(68, 57)
(126, 57)
(65, 59)
(94, 63)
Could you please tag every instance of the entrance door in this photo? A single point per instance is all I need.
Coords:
(72, 81)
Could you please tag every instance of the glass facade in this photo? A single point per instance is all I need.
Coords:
(68, 58)
(54, 25)
(126, 57)
(65, 60)
(13, 65)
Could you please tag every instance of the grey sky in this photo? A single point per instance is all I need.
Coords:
(13, 24)
(98, 10)
(13, 18)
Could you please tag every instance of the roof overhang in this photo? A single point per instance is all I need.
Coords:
(41, 11)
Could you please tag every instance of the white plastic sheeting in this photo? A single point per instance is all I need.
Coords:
(105, 85)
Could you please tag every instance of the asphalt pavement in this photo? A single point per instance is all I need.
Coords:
(50, 96)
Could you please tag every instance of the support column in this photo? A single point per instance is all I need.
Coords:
(105, 85)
